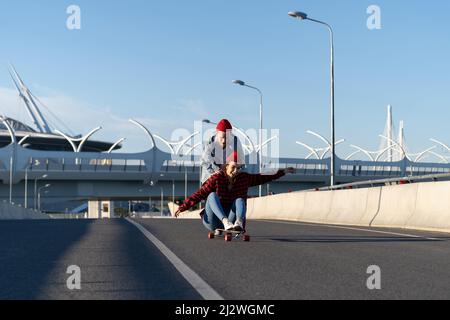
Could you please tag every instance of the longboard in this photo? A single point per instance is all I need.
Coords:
(228, 235)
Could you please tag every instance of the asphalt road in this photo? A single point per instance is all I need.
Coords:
(283, 261)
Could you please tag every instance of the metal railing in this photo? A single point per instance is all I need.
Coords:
(304, 167)
(386, 182)
(91, 165)
(345, 168)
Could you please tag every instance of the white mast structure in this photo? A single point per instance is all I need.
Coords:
(33, 110)
(390, 129)
(388, 143)
(42, 125)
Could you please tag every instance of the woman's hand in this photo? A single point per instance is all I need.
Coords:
(290, 170)
(177, 214)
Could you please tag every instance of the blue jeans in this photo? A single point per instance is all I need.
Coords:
(214, 213)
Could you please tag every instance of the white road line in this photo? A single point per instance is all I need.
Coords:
(352, 228)
(193, 278)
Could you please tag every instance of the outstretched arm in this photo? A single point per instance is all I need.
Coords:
(259, 179)
(201, 194)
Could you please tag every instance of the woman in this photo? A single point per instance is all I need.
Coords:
(226, 193)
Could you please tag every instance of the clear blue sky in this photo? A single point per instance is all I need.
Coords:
(173, 61)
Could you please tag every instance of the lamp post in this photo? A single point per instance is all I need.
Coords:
(304, 16)
(26, 188)
(206, 121)
(35, 189)
(173, 194)
(12, 134)
(11, 166)
(185, 183)
(149, 200)
(162, 200)
(39, 195)
(243, 84)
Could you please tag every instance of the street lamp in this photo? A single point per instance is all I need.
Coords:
(185, 182)
(35, 189)
(39, 195)
(173, 195)
(149, 196)
(26, 185)
(13, 153)
(204, 121)
(304, 16)
(162, 200)
(243, 84)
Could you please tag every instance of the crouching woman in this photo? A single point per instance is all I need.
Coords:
(226, 194)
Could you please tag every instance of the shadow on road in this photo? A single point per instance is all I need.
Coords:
(343, 239)
(29, 250)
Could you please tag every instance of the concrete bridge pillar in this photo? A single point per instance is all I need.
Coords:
(101, 209)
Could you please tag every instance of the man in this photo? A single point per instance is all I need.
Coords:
(218, 148)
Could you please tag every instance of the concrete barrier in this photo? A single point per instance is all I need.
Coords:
(286, 206)
(432, 207)
(10, 212)
(397, 206)
(420, 206)
(356, 207)
(190, 215)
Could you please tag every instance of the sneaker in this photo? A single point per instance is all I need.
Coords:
(227, 225)
(217, 232)
(238, 226)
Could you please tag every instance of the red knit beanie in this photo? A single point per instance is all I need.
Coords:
(233, 157)
(224, 125)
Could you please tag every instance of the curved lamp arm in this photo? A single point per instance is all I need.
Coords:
(258, 149)
(167, 143)
(328, 143)
(439, 156)
(440, 143)
(11, 131)
(396, 144)
(86, 138)
(329, 148)
(368, 153)
(183, 142)
(352, 155)
(115, 145)
(309, 148)
(309, 156)
(74, 147)
(422, 154)
(83, 140)
(149, 134)
(250, 148)
(191, 149)
(21, 142)
(383, 152)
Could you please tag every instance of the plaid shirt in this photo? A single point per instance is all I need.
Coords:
(220, 184)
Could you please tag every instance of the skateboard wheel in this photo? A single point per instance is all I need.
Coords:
(211, 235)
(228, 237)
(246, 238)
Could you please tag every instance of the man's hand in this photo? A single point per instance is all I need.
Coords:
(177, 214)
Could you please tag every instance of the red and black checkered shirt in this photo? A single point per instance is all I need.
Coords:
(220, 184)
